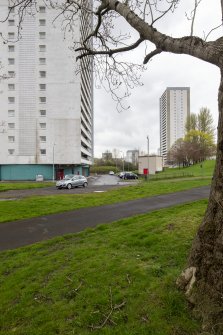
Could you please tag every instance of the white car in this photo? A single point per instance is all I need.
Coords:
(111, 173)
(75, 181)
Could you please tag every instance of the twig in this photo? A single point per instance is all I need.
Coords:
(128, 278)
(108, 316)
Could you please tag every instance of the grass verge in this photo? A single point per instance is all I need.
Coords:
(4, 186)
(39, 205)
(117, 279)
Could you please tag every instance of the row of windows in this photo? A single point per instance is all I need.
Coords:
(11, 100)
(12, 35)
(42, 9)
(11, 139)
(42, 22)
(11, 87)
(11, 48)
(11, 112)
(12, 151)
(12, 74)
(42, 61)
(11, 125)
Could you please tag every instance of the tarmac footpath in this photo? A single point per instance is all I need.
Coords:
(25, 232)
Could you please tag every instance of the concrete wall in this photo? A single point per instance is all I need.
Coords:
(152, 163)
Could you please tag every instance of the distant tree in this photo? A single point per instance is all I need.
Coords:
(205, 121)
(195, 147)
(191, 122)
(177, 154)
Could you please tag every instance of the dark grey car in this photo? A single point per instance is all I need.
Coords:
(75, 181)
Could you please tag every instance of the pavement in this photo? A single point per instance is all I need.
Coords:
(25, 232)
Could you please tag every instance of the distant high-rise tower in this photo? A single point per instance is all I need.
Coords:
(174, 109)
(46, 114)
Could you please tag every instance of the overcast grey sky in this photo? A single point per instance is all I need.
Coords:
(128, 130)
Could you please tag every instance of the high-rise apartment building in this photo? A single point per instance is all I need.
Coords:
(174, 109)
(46, 114)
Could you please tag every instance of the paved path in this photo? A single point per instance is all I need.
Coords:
(24, 232)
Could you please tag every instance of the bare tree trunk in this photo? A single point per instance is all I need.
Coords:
(206, 259)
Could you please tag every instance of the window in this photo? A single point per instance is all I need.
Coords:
(43, 125)
(11, 36)
(42, 112)
(11, 22)
(42, 87)
(42, 48)
(42, 100)
(42, 61)
(11, 61)
(11, 113)
(11, 87)
(42, 138)
(11, 125)
(11, 9)
(42, 22)
(11, 74)
(11, 139)
(42, 74)
(42, 9)
(11, 100)
(43, 151)
(11, 151)
(11, 48)
(42, 35)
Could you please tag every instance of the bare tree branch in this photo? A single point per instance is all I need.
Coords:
(151, 54)
(89, 52)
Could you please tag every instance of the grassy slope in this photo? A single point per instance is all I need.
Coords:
(36, 206)
(198, 170)
(70, 285)
(6, 186)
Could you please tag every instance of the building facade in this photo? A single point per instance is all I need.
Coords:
(150, 164)
(174, 110)
(132, 156)
(46, 115)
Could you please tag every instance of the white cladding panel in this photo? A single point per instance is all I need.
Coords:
(42, 109)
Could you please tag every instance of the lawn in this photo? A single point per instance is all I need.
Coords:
(204, 169)
(117, 279)
(6, 186)
(39, 205)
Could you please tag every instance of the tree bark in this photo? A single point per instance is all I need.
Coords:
(203, 280)
(207, 250)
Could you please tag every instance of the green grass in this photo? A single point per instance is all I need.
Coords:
(204, 169)
(39, 205)
(117, 279)
(5, 186)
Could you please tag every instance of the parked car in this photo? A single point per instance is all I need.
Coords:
(129, 175)
(121, 174)
(68, 176)
(111, 173)
(75, 181)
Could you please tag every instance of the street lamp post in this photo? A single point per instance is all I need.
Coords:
(148, 144)
(148, 154)
(53, 163)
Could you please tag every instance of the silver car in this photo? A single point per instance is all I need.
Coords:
(75, 181)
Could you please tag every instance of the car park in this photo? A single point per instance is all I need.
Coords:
(129, 175)
(75, 181)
